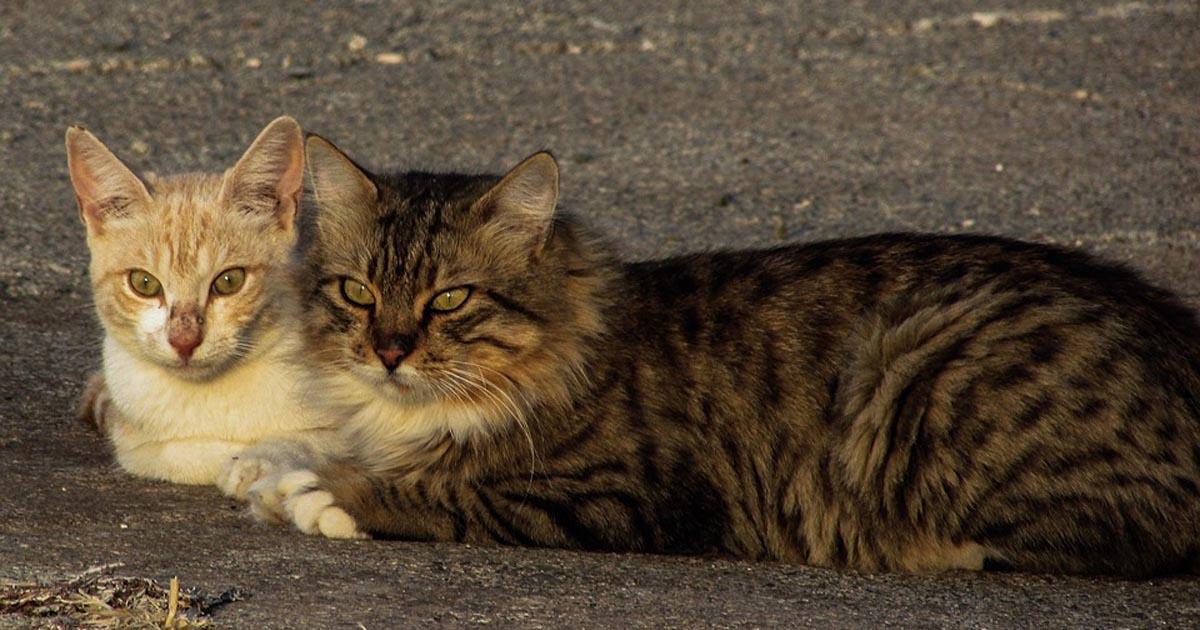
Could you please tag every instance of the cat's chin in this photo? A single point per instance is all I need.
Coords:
(199, 370)
(396, 388)
(396, 392)
(193, 371)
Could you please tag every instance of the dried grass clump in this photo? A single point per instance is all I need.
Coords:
(98, 599)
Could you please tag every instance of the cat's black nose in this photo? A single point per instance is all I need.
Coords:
(391, 357)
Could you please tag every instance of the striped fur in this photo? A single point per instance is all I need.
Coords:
(896, 402)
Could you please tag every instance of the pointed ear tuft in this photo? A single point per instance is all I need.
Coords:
(524, 200)
(104, 187)
(342, 189)
(269, 177)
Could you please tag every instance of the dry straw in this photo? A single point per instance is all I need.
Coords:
(98, 599)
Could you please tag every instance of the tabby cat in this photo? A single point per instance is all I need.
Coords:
(896, 402)
(191, 281)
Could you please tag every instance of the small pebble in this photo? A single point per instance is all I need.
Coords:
(116, 43)
(77, 65)
(985, 19)
(924, 24)
(299, 72)
(156, 65)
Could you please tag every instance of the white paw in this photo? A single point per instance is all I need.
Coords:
(240, 473)
(266, 502)
(296, 496)
(298, 482)
(314, 513)
(267, 495)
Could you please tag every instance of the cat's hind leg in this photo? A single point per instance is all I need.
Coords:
(95, 404)
(945, 556)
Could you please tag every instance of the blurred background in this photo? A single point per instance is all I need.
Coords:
(679, 125)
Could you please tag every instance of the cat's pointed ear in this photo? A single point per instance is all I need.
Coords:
(269, 177)
(524, 200)
(104, 187)
(342, 189)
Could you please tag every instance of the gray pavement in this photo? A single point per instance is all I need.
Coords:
(679, 125)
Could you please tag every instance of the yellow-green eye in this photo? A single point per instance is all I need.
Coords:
(356, 292)
(144, 284)
(450, 300)
(229, 281)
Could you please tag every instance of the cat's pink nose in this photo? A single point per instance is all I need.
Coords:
(391, 357)
(185, 344)
(185, 330)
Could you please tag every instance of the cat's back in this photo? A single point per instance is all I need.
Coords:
(972, 386)
(1005, 335)
(838, 283)
(811, 321)
(1024, 394)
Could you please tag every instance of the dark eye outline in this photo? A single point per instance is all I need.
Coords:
(238, 272)
(433, 307)
(134, 287)
(346, 294)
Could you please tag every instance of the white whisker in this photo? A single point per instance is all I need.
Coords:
(518, 414)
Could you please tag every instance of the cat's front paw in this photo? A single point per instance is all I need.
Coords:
(297, 496)
(240, 473)
(266, 500)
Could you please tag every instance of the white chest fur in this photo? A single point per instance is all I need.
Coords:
(383, 433)
(182, 431)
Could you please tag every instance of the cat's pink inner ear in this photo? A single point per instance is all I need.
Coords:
(270, 175)
(104, 187)
(526, 196)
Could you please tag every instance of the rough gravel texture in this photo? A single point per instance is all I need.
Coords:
(679, 125)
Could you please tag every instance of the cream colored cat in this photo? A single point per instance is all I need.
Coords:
(192, 283)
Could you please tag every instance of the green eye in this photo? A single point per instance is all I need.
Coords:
(450, 300)
(229, 281)
(144, 284)
(356, 292)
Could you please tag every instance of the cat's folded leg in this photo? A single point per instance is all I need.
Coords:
(261, 460)
(266, 497)
(240, 473)
(296, 496)
(190, 460)
(312, 510)
(276, 461)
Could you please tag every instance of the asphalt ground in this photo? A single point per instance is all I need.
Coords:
(679, 126)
